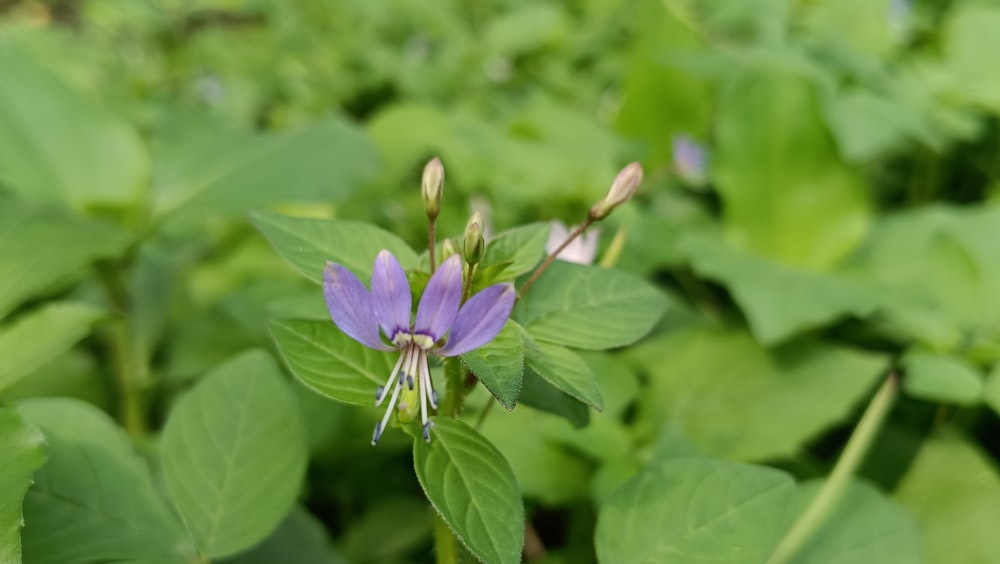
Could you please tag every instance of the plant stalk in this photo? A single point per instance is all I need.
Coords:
(833, 488)
(127, 367)
(431, 241)
(445, 543)
(552, 257)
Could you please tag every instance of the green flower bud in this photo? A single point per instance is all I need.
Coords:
(621, 190)
(447, 249)
(432, 186)
(475, 244)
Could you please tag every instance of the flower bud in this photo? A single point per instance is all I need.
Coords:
(432, 186)
(475, 243)
(447, 249)
(621, 190)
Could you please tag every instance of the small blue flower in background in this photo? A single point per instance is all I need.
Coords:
(690, 160)
(360, 314)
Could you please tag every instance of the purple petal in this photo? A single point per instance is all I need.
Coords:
(439, 304)
(480, 319)
(390, 294)
(351, 307)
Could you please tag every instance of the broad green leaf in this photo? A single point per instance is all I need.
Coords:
(539, 394)
(969, 36)
(206, 172)
(308, 243)
(522, 247)
(329, 362)
(991, 390)
(694, 510)
(953, 490)
(24, 450)
(940, 377)
(565, 370)
(407, 517)
(94, 499)
(589, 307)
(735, 399)
(58, 144)
(300, 539)
(864, 526)
(661, 97)
(545, 470)
(778, 301)
(41, 247)
(36, 338)
(473, 488)
(744, 22)
(524, 29)
(499, 364)
(234, 454)
(767, 113)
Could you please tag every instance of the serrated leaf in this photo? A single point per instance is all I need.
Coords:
(205, 172)
(941, 377)
(589, 307)
(565, 370)
(58, 144)
(473, 488)
(307, 243)
(36, 338)
(752, 403)
(694, 510)
(94, 499)
(539, 394)
(521, 248)
(329, 362)
(499, 365)
(234, 454)
(24, 449)
(41, 246)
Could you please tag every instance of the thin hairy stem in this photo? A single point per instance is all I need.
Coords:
(552, 257)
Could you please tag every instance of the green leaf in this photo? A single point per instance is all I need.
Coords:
(545, 470)
(694, 510)
(768, 195)
(329, 362)
(234, 454)
(991, 390)
(778, 301)
(307, 244)
(941, 377)
(58, 144)
(301, 538)
(953, 490)
(589, 307)
(522, 247)
(24, 450)
(94, 499)
(36, 338)
(969, 36)
(752, 403)
(539, 394)
(499, 364)
(473, 488)
(407, 517)
(565, 370)
(205, 172)
(41, 247)
(864, 526)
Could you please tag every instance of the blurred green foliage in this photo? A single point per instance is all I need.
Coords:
(848, 228)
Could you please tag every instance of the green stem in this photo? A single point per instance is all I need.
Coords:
(431, 242)
(454, 374)
(833, 488)
(551, 258)
(445, 543)
(128, 368)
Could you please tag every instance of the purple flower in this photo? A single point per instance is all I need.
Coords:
(360, 314)
(690, 160)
